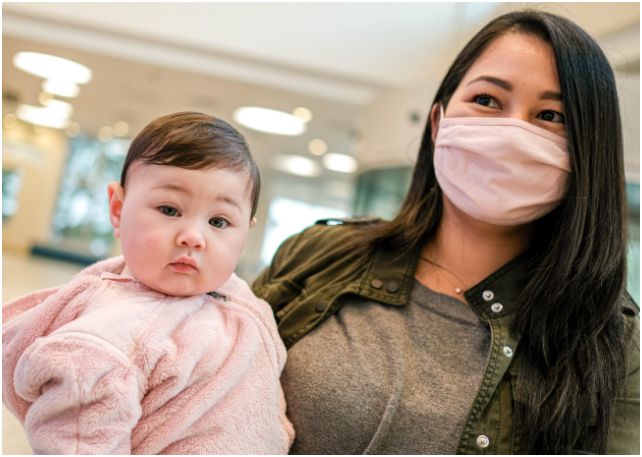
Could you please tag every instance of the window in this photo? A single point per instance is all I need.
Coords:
(287, 217)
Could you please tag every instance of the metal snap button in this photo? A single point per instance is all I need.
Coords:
(483, 441)
(496, 307)
(488, 295)
(320, 307)
(392, 286)
(376, 283)
(508, 352)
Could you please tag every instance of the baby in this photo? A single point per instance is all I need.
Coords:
(162, 350)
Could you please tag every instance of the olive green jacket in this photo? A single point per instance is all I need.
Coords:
(316, 271)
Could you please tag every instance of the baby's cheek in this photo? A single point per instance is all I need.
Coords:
(152, 237)
(145, 246)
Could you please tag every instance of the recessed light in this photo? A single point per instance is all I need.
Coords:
(303, 113)
(105, 133)
(60, 107)
(121, 129)
(317, 147)
(68, 89)
(339, 162)
(52, 67)
(297, 165)
(269, 120)
(41, 115)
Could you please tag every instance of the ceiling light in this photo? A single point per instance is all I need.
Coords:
(43, 116)
(269, 120)
(52, 67)
(59, 107)
(339, 162)
(297, 165)
(317, 147)
(105, 133)
(61, 88)
(121, 129)
(303, 113)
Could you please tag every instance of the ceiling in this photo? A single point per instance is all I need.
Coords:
(149, 59)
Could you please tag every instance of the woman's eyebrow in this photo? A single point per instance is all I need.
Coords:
(549, 95)
(546, 95)
(493, 80)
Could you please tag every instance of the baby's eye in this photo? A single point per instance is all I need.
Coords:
(219, 222)
(486, 100)
(169, 211)
(551, 116)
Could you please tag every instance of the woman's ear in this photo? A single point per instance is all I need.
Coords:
(116, 195)
(434, 121)
(252, 222)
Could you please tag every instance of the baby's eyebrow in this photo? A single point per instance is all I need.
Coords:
(219, 198)
(230, 200)
(175, 187)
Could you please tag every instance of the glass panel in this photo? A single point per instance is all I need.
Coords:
(11, 180)
(381, 192)
(81, 221)
(287, 217)
(633, 252)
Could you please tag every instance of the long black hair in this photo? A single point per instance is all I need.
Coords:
(572, 349)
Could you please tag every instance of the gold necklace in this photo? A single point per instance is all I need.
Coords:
(457, 290)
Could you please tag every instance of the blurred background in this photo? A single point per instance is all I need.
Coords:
(352, 84)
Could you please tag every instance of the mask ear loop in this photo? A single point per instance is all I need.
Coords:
(435, 187)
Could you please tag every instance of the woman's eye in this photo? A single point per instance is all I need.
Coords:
(551, 116)
(168, 211)
(218, 222)
(486, 100)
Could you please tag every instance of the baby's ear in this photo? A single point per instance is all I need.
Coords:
(116, 195)
(252, 222)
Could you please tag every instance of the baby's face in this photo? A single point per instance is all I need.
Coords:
(182, 231)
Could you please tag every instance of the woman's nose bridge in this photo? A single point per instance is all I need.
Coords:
(520, 111)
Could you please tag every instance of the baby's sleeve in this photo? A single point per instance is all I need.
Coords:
(84, 395)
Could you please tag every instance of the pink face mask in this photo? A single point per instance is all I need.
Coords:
(500, 170)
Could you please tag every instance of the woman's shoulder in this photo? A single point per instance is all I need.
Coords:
(631, 315)
(331, 248)
(326, 236)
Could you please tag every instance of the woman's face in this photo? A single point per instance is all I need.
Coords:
(514, 77)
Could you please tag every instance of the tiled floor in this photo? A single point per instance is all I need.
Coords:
(21, 274)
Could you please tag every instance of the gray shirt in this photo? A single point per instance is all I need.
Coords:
(387, 380)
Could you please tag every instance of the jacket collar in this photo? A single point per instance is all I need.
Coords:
(390, 277)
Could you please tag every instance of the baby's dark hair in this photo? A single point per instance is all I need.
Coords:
(193, 141)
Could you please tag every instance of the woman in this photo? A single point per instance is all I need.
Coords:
(490, 315)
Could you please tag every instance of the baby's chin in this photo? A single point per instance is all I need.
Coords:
(184, 288)
(183, 291)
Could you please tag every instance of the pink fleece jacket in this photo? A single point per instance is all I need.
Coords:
(105, 365)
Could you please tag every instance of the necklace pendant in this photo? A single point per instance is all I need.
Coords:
(458, 290)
